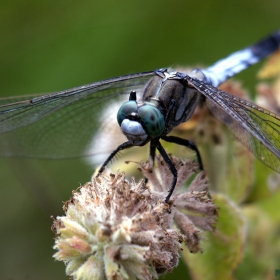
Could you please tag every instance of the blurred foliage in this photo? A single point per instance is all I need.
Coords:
(223, 248)
(246, 240)
(54, 45)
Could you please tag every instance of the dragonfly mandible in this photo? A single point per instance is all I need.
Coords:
(63, 124)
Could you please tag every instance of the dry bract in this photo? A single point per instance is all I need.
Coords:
(114, 229)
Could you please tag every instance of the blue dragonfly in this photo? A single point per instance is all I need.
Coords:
(64, 124)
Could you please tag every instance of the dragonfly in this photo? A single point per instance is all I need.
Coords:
(65, 124)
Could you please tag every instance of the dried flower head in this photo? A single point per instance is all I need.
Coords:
(192, 209)
(114, 229)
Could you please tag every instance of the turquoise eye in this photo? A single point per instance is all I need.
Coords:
(126, 109)
(152, 119)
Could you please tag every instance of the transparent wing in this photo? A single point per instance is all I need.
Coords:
(258, 129)
(63, 124)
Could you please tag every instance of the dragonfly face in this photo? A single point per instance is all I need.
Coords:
(140, 122)
(62, 124)
(167, 101)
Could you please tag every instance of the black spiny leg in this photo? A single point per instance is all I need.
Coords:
(153, 150)
(123, 146)
(186, 143)
(152, 155)
(171, 168)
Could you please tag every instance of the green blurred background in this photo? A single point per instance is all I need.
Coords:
(46, 46)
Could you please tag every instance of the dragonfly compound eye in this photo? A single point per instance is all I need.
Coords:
(153, 120)
(126, 109)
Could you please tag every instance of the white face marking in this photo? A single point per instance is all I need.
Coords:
(134, 132)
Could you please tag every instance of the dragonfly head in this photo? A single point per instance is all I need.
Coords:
(140, 123)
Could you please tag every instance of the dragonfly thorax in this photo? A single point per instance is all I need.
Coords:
(139, 123)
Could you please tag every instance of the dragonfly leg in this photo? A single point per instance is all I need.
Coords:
(171, 168)
(123, 146)
(186, 143)
(152, 155)
(153, 150)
